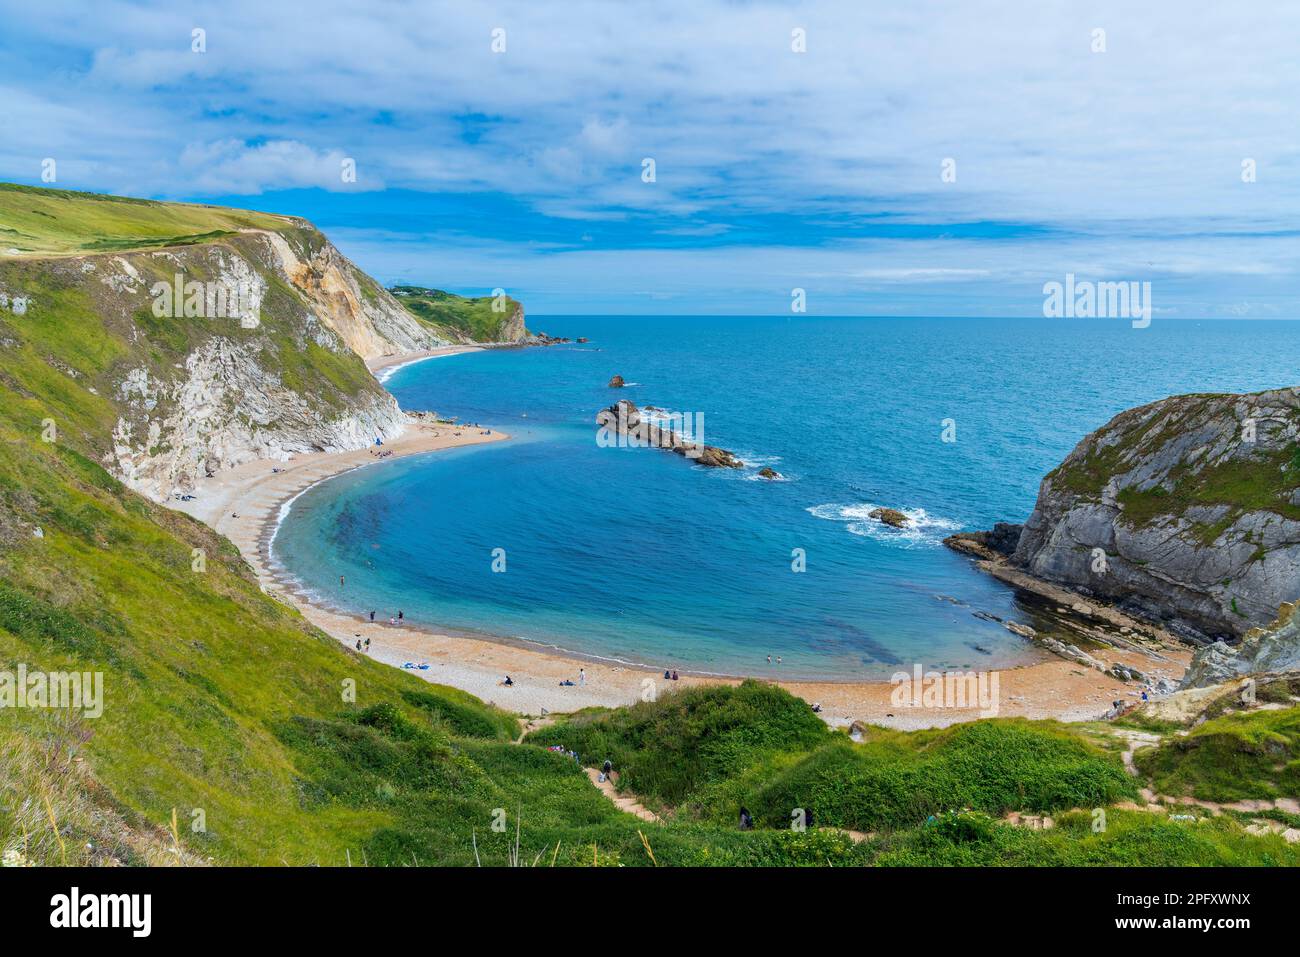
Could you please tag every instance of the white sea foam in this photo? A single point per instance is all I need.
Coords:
(922, 527)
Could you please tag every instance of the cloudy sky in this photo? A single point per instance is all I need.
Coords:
(1106, 139)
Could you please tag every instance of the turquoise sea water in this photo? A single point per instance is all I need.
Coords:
(637, 554)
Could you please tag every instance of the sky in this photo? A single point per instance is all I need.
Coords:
(918, 158)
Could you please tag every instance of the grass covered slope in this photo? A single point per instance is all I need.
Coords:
(927, 797)
(1239, 756)
(53, 222)
(709, 751)
(208, 682)
(464, 319)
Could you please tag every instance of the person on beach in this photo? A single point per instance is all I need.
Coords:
(674, 674)
(582, 676)
(358, 644)
(667, 676)
(400, 616)
(606, 769)
(340, 581)
(367, 644)
(372, 616)
(509, 683)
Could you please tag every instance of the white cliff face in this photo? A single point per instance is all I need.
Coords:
(227, 410)
(279, 372)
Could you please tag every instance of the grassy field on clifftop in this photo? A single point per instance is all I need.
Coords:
(456, 316)
(51, 222)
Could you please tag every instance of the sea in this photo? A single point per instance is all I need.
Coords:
(562, 539)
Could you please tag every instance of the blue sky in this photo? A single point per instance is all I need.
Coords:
(775, 169)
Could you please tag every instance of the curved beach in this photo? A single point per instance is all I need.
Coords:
(247, 503)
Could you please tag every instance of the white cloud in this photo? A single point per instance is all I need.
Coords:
(231, 166)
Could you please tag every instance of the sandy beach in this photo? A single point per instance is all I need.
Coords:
(244, 504)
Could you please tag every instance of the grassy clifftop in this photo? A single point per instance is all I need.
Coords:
(481, 319)
(55, 222)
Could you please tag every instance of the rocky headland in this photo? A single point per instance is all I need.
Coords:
(1183, 514)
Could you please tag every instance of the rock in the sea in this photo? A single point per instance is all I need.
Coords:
(623, 418)
(768, 472)
(582, 339)
(616, 382)
(1263, 651)
(709, 455)
(889, 516)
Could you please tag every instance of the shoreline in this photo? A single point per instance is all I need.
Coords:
(389, 365)
(246, 505)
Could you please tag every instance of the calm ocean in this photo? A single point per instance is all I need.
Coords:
(636, 554)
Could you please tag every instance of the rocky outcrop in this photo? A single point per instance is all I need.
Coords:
(621, 424)
(889, 516)
(616, 382)
(542, 339)
(768, 472)
(1185, 512)
(1271, 650)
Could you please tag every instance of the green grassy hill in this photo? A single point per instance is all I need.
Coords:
(53, 222)
(932, 797)
(462, 319)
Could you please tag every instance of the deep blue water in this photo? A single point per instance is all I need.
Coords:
(637, 554)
